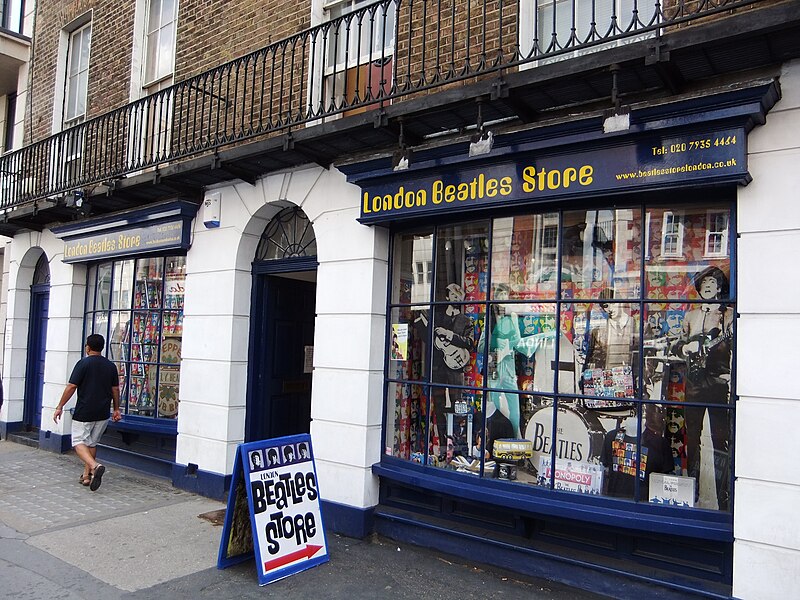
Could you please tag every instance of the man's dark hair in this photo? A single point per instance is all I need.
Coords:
(273, 455)
(96, 342)
(288, 453)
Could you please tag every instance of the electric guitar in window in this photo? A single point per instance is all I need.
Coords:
(696, 362)
(455, 358)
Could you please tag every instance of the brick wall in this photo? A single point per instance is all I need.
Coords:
(210, 32)
(112, 35)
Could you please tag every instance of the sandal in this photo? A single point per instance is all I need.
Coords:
(85, 479)
(97, 477)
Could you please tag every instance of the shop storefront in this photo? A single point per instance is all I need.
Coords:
(135, 265)
(561, 343)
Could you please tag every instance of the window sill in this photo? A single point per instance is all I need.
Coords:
(694, 523)
(146, 425)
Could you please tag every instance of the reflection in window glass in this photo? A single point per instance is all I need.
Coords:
(633, 401)
(601, 250)
(411, 279)
(524, 256)
(462, 259)
(698, 238)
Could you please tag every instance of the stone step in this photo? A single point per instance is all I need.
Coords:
(26, 438)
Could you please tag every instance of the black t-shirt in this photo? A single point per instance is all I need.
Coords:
(95, 376)
(620, 456)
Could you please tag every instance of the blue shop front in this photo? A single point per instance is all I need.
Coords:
(561, 345)
(135, 287)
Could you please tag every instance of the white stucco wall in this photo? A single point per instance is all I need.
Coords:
(64, 326)
(766, 527)
(348, 339)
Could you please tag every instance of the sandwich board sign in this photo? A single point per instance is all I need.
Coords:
(274, 510)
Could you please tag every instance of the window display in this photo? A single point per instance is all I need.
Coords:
(600, 340)
(138, 306)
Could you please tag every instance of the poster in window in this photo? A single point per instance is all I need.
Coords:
(169, 377)
(399, 350)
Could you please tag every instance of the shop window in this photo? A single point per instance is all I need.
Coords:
(553, 350)
(137, 305)
(359, 51)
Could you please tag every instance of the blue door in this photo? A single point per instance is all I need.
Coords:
(280, 380)
(37, 335)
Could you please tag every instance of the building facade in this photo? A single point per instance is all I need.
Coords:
(513, 267)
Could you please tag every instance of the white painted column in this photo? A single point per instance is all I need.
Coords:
(766, 527)
(349, 344)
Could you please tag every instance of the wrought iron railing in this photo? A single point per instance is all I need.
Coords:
(389, 50)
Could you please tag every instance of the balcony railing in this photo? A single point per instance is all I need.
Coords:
(386, 51)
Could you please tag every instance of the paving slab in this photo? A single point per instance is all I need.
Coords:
(40, 490)
(140, 550)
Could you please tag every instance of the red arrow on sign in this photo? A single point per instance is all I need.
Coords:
(282, 561)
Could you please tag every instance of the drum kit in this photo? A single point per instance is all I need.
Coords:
(579, 435)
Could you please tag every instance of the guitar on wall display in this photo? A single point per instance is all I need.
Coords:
(454, 357)
(696, 361)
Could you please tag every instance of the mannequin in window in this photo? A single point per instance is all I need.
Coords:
(498, 427)
(502, 367)
(706, 347)
(614, 342)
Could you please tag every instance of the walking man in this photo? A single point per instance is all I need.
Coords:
(97, 381)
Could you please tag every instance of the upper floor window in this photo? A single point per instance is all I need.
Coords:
(77, 74)
(162, 16)
(13, 15)
(11, 117)
(358, 50)
(555, 25)
(362, 37)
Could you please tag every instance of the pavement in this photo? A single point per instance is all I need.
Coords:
(138, 538)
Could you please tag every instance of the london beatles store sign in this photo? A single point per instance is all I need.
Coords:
(647, 163)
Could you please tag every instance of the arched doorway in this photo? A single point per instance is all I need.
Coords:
(282, 312)
(37, 337)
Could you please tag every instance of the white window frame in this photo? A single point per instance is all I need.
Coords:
(74, 78)
(530, 21)
(166, 24)
(669, 219)
(347, 58)
(711, 233)
(151, 136)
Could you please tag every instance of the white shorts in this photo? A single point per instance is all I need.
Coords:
(88, 432)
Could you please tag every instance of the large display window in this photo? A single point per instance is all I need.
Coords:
(580, 351)
(137, 305)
